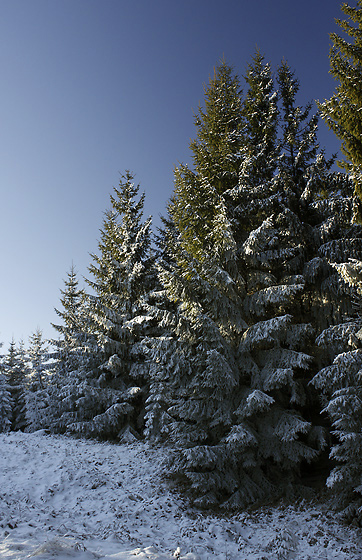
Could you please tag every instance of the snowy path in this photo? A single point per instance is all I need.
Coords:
(62, 498)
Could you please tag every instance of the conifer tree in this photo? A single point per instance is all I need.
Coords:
(291, 285)
(324, 201)
(6, 402)
(159, 347)
(254, 196)
(40, 371)
(321, 201)
(216, 149)
(5, 405)
(72, 330)
(69, 356)
(271, 433)
(15, 369)
(238, 355)
(342, 112)
(238, 398)
(340, 385)
(196, 358)
(123, 273)
(301, 158)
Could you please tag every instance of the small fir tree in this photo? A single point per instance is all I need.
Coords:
(6, 402)
(70, 355)
(40, 371)
(72, 330)
(159, 348)
(15, 369)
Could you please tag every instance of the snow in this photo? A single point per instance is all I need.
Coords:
(63, 498)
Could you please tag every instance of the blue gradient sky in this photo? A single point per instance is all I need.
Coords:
(90, 88)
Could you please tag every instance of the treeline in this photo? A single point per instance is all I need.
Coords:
(234, 334)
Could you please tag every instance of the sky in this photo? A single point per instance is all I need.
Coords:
(91, 88)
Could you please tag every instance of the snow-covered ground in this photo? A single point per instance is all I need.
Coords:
(62, 499)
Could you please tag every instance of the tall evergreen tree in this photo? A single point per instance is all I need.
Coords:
(302, 163)
(324, 201)
(200, 275)
(271, 432)
(216, 149)
(123, 272)
(319, 199)
(238, 355)
(291, 285)
(342, 112)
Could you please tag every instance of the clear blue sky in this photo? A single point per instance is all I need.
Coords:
(90, 88)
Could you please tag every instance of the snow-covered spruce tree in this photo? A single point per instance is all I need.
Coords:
(159, 348)
(328, 297)
(72, 330)
(237, 398)
(321, 200)
(38, 383)
(200, 275)
(15, 369)
(254, 195)
(272, 435)
(340, 386)
(112, 399)
(288, 271)
(6, 402)
(241, 407)
(301, 158)
(70, 356)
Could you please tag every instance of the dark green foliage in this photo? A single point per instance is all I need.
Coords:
(216, 150)
(238, 360)
(340, 385)
(342, 112)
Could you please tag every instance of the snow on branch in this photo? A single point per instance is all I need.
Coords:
(278, 296)
(351, 273)
(264, 333)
